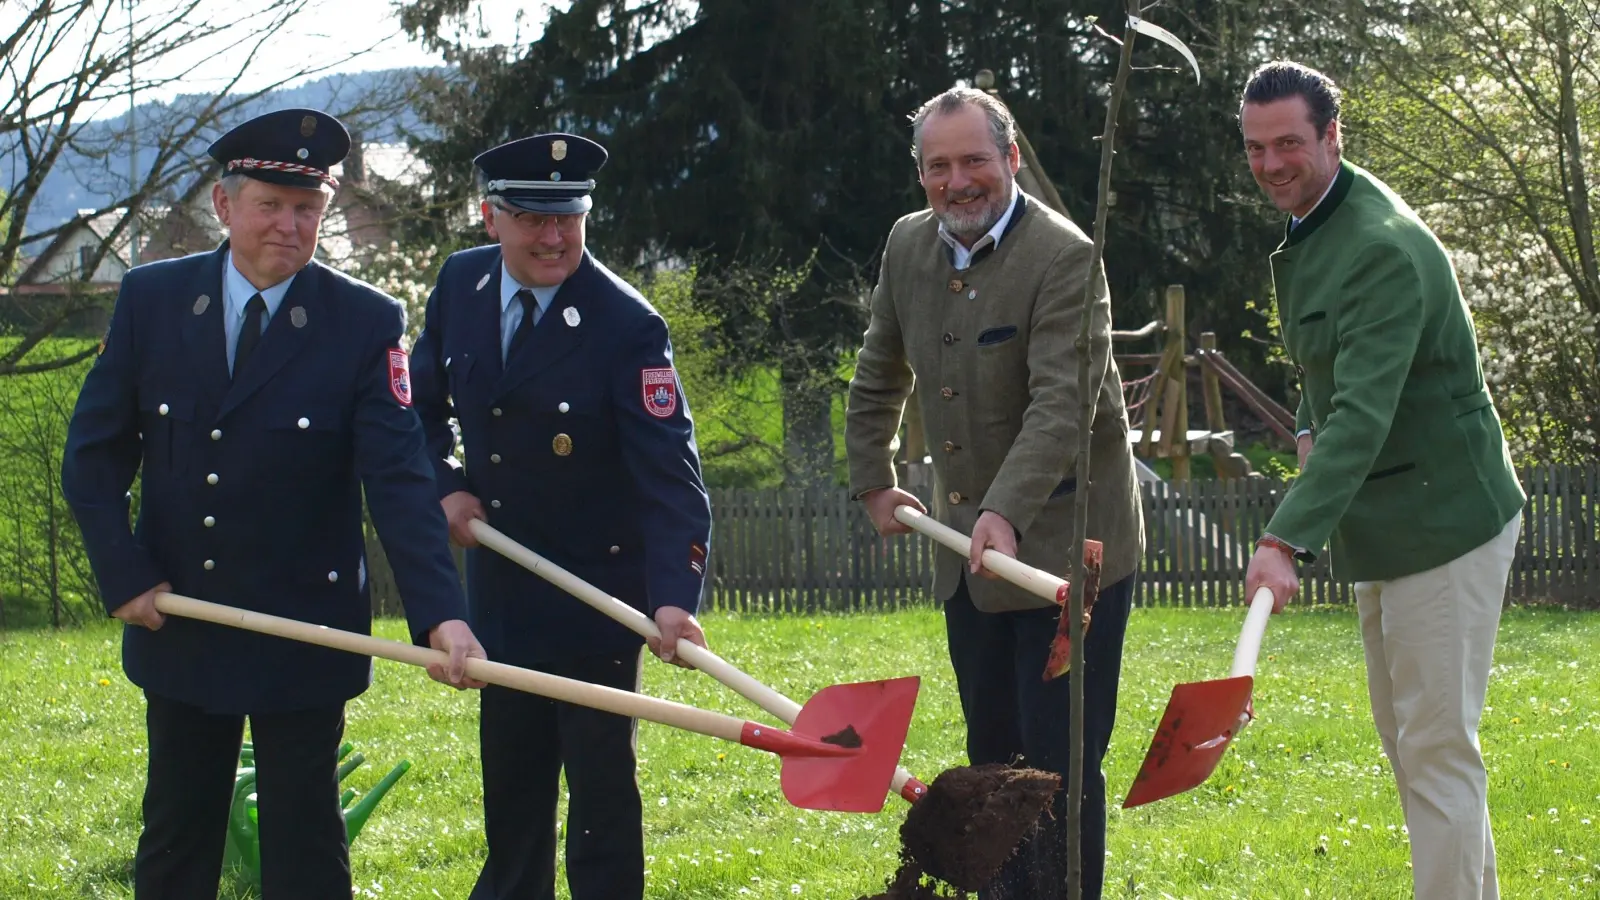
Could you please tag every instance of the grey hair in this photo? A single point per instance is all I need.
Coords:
(1002, 126)
(231, 184)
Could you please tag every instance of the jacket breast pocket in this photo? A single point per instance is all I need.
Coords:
(991, 336)
(166, 424)
(457, 369)
(305, 436)
(1312, 337)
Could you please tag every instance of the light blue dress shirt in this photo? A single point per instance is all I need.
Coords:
(236, 292)
(511, 310)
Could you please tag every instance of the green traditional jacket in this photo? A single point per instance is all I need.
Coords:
(1409, 467)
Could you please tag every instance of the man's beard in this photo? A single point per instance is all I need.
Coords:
(973, 220)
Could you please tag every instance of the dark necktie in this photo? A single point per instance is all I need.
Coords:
(530, 307)
(249, 333)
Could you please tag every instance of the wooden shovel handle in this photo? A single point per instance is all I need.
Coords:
(636, 621)
(623, 703)
(1255, 627)
(745, 686)
(1034, 581)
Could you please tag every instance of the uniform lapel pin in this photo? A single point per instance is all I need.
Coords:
(483, 281)
(201, 303)
(297, 317)
(571, 315)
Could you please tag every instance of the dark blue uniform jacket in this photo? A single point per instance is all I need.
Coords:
(580, 447)
(251, 489)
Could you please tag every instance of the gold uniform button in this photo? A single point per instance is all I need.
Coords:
(562, 445)
(949, 447)
(955, 285)
(955, 497)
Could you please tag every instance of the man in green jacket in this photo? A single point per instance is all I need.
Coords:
(1405, 472)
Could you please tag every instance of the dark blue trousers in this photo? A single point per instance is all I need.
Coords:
(1014, 716)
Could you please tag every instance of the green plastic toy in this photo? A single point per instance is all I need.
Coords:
(243, 848)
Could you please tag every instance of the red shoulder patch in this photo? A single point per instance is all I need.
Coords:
(660, 389)
(400, 375)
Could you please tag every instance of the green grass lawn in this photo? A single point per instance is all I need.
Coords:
(1302, 805)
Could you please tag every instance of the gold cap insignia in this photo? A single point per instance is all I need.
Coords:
(562, 445)
(558, 150)
(308, 126)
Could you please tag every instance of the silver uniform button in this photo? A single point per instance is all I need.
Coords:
(615, 549)
(210, 521)
(495, 411)
(212, 478)
(210, 564)
(333, 576)
(563, 407)
(162, 409)
(494, 457)
(304, 422)
(216, 435)
(495, 503)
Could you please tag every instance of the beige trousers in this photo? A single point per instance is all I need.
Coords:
(1429, 641)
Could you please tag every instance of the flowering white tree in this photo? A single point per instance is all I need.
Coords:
(1485, 115)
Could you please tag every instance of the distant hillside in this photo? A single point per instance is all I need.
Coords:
(92, 179)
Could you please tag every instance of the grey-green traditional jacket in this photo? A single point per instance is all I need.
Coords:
(1409, 468)
(991, 348)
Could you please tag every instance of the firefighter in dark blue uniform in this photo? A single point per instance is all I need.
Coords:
(578, 444)
(259, 393)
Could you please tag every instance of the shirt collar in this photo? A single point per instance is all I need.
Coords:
(509, 286)
(239, 290)
(994, 234)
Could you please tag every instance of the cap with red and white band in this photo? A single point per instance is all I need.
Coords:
(293, 147)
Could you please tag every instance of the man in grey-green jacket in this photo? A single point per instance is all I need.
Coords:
(979, 301)
(1405, 471)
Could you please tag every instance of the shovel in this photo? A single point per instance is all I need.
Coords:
(765, 697)
(840, 755)
(1202, 719)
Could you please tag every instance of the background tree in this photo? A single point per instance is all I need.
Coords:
(64, 63)
(1485, 115)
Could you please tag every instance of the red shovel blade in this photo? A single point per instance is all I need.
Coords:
(1201, 720)
(869, 720)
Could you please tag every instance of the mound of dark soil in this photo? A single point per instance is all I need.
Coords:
(966, 828)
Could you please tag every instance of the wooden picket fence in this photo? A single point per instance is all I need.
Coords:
(815, 551)
(795, 551)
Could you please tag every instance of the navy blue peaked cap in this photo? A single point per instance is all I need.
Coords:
(294, 147)
(546, 173)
